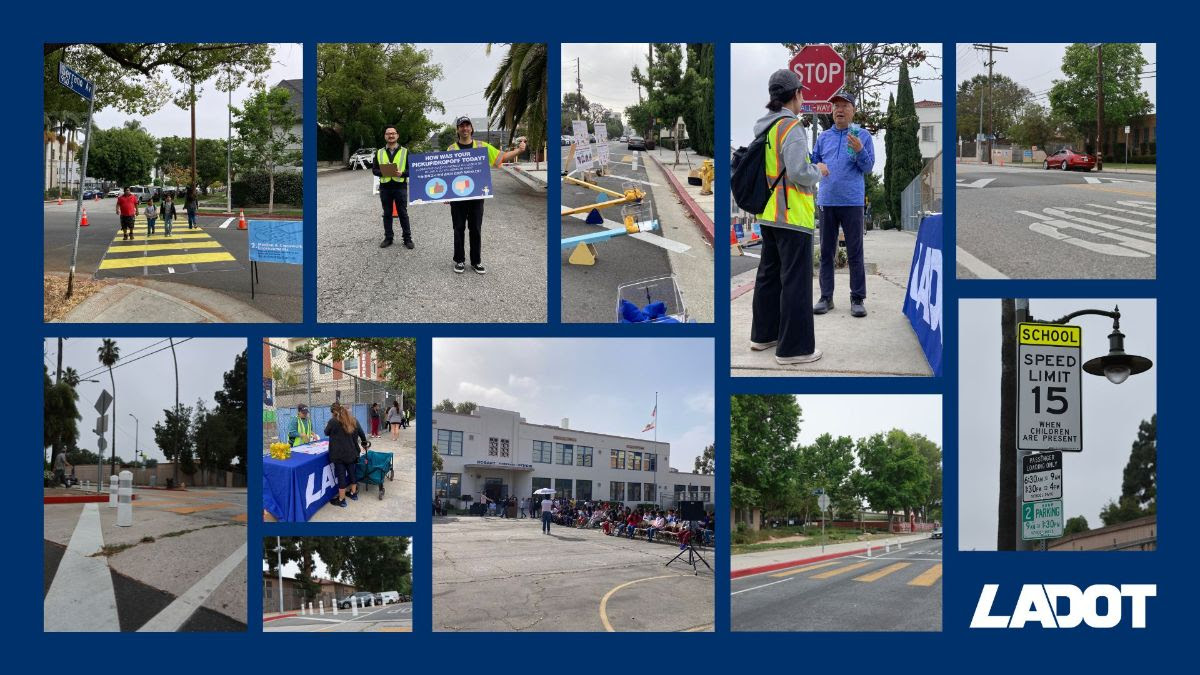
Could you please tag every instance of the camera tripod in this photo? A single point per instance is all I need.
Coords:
(692, 553)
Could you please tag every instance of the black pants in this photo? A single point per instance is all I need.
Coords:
(850, 218)
(395, 193)
(783, 292)
(467, 217)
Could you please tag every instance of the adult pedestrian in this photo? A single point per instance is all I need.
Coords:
(127, 205)
(547, 513)
(344, 436)
(375, 419)
(394, 419)
(168, 213)
(191, 204)
(783, 285)
(391, 165)
(850, 155)
(60, 469)
(300, 430)
(467, 214)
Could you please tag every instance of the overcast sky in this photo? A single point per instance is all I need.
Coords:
(466, 71)
(751, 65)
(1111, 413)
(604, 69)
(1035, 66)
(602, 385)
(145, 386)
(858, 416)
(212, 118)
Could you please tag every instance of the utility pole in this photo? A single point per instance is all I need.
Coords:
(990, 49)
(579, 90)
(1099, 105)
(1013, 311)
(58, 374)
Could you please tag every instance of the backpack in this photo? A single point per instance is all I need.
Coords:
(748, 182)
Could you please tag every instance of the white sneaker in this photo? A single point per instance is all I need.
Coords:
(796, 360)
(762, 346)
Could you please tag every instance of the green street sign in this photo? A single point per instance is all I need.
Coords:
(1042, 520)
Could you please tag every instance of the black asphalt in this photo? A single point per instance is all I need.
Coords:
(589, 294)
(1026, 177)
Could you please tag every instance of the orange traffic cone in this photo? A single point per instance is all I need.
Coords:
(241, 219)
(395, 213)
(732, 237)
(96, 197)
(83, 221)
(60, 200)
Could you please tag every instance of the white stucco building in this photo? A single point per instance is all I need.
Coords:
(498, 453)
(929, 114)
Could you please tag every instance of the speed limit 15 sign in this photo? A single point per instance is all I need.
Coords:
(1049, 414)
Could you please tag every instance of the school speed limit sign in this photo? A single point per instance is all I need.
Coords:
(1049, 411)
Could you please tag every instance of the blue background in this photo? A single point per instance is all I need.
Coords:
(956, 649)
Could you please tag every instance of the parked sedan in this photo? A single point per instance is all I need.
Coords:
(362, 597)
(93, 193)
(361, 157)
(1067, 159)
(936, 534)
(115, 192)
(636, 143)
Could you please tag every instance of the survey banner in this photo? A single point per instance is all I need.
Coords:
(450, 176)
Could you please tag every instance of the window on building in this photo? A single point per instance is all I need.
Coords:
(350, 365)
(543, 452)
(583, 456)
(705, 494)
(504, 447)
(450, 442)
(679, 489)
(493, 447)
(616, 490)
(566, 454)
(274, 352)
(538, 484)
(616, 459)
(583, 489)
(562, 488)
(324, 369)
(651, 492)
(927, 133)
(635, 461)
(651, 462)
(635, 492)
(449, 485)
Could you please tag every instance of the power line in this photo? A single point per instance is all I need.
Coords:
(127, 356)
(103, 369)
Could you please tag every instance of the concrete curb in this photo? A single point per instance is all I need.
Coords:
(279, 616)
(706, 224)
(206, 304)
(81, 499)
(735, 574)
(525, 177)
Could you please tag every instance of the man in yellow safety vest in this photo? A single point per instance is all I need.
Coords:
(301, 431)
(467, 214)
(782, 314)
(393, 189)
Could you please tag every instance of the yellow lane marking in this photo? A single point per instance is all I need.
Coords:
(196, 509)
(805, 568)
(604, 601)
(840, 570)
(879, 574)
(181, 246)
(150, 261)
(929, 577)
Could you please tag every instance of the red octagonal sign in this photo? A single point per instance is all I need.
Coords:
(821, 69)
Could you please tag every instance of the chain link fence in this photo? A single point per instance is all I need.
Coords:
(923, 195)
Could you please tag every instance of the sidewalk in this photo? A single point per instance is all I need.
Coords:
(529, 173)
(764, 561)
(701, 206)
(146, 300)
(879, 344)
(693, 268)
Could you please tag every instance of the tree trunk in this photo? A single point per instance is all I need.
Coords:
(271, 193)
(345, 152)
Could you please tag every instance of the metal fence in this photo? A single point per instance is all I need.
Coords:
(923, 195)
(319, 385)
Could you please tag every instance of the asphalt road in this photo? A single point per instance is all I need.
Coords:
(589, 293)
(897, 591)
(1034, 224)
(359, 282)
(215, 258)
(388, 618)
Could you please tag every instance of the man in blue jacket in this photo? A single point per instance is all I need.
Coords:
(850, 155)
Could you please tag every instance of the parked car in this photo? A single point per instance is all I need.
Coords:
(936, 534)
(390, 596)
(92, 193)
(1067, 159)
(624, 139)
(115, 192)
(567, 140)
(142, 192)
(363, 155)
(636, 143)
(362, 597)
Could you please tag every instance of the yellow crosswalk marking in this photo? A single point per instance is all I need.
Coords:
(840, 570)
(151, 260)
(805, 568)
(881, 573)
(929, 577)
(166, 246)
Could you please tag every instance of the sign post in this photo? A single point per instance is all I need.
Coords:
(1127, 148)
(102, 402)
(76, 83)
(1049, 411)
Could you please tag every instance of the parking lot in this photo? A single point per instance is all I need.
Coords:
(492, 574)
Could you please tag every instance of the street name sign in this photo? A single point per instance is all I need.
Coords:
(822, 71)
(74, 81)
(1041, 476)
(1042, 520)
(103, 402)
(1049, 410)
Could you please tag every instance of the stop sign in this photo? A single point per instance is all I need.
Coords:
(822, 70)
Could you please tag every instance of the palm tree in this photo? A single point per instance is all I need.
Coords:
(517, 93)
(109, 353)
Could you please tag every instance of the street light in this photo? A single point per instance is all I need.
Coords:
(1116, 365)
(137, 424)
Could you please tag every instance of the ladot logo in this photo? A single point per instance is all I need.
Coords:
(1039, 603)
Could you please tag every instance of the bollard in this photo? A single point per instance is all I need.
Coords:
(302, 609)
(334, 604)
(354, 607)
(112, 492)
(125, 500)
(310, 609)
(868, 550)
(887, 548)
(321, 607)
(899, 545)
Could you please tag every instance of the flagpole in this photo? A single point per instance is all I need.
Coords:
(656, 497)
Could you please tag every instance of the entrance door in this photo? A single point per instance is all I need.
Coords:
(494, 488)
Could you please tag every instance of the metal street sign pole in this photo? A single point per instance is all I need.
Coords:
(83, 86)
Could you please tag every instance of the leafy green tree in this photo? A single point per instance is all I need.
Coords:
(231, 414)
(614, 126)
(640, 118)
(446, 406)
(370, 563)
(517, 93)
(1075, 525)
(1140, 480)
(121, 154)
(931, 453)
(699, 85)
(574, 107)
(173, 435)
(1074, 96)
(762, 461)
(666, 97)
(895, 474)
(398, 357)
(1036, 126)
(361, 87)
(904, 156)
(60, 414)
(108, 353)
(1009, 100)
(888, 185)
(705, 464)
(437, 459)
(264, 126)
(826, 465)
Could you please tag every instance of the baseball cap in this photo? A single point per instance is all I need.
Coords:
(845, 96)
(302, 408)
(782, 82)
(463, 119)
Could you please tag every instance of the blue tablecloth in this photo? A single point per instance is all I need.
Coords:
(296, 488)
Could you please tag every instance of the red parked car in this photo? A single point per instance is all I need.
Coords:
(1067, 159)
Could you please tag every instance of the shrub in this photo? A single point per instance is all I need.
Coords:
(255, 188)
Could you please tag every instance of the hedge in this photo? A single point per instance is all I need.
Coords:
(255, 188)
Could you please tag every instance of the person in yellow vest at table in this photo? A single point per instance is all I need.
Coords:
(467, 215)
(301, 431)
(393, 185)
(782, 314)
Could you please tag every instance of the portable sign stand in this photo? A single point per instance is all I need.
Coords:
(277, 241)
(76, 83)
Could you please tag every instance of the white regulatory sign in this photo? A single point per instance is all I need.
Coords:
(583, 149)
(601, 144)
(1041, 476)
(1049, 411)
